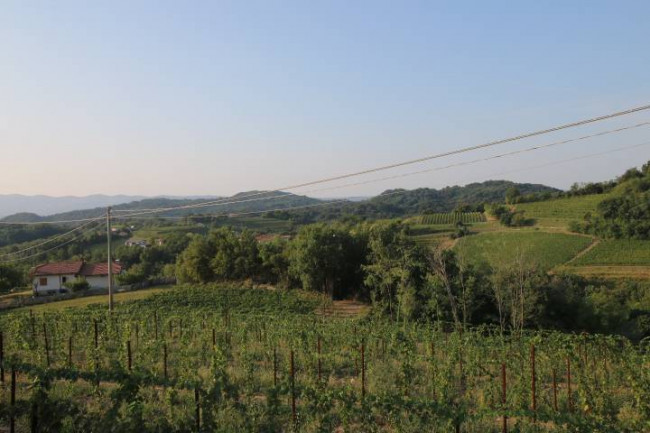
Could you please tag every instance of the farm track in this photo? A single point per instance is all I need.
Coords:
(345, 309)
(614, 272)
(590, 247)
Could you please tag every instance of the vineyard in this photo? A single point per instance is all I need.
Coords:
(561, 211)
(617, 252)
(452, 218)
(545, 250)
(230, 360)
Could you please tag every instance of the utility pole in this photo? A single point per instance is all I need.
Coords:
(110, 261)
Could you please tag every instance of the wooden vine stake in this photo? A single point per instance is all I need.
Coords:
(504, 388)
(197, 404)
(155, 323)
(70, 351)
(533, 382)
(275, 367)
(12, 402)
(47, 346)
(319, 360)
(165, 361)
(554, 390)
(128, 355)
(33, 324)
(568, 379)
(2, 357)
(293, 392)
(214, 338)
(363, 370)
(96, 333)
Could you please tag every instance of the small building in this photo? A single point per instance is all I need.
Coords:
(136, 243)
(51, 277)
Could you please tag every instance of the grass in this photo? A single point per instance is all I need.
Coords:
(560, 211)
(546, 250)
(610, 272)
(10, 297)
(617, 252)
(90, 300)
(261, 224)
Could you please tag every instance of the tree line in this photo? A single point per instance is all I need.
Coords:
(625, 214)
(381, 264)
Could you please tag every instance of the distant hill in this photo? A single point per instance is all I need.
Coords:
(249, 201)
(47, 205)
(389, 204)
(400, 203)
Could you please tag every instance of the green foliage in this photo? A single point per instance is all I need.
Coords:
(134, 275)
(512, 195)
(395, 272)
(232, 347)
(461, 230)
(327, 258)
(625, 216)
(77, 285)
(274, 258)
(508, 216)
(10, 278)
(11, 235)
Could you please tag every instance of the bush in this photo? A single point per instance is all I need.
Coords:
(77, 285)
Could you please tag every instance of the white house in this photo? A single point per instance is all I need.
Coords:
(51, 277)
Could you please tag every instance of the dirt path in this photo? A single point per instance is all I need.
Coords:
(345, 309)
(590, 247)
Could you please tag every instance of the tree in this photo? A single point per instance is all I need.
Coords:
(274, 258)
(193, 264)
(516, 289)
(10, 278)
(326, 258)
(512, 195)
(396, 271)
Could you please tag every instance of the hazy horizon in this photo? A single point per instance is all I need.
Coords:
(211, 98)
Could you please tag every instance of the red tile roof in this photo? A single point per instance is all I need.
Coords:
(76, 268)
(98, 269)
(61, 268)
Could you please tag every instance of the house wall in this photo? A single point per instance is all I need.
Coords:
(54, 282)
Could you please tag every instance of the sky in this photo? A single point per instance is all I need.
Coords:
(217, 97)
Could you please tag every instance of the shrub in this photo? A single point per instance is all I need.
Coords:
(77, 285)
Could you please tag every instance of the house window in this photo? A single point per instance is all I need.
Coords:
(64, 280)
(42, 282)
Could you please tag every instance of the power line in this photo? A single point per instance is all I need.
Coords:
(577, 158)
(25, 223)
(418, 160)
(392, 193)
(382, 168)
(19, 259)
(47, 241)
(402, 175)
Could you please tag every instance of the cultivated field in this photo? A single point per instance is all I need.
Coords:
(230, 360)
(560, 212)
(546, 250)
(452, 218)
(617, 252)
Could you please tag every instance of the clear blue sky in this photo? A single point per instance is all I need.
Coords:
(171, 97)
